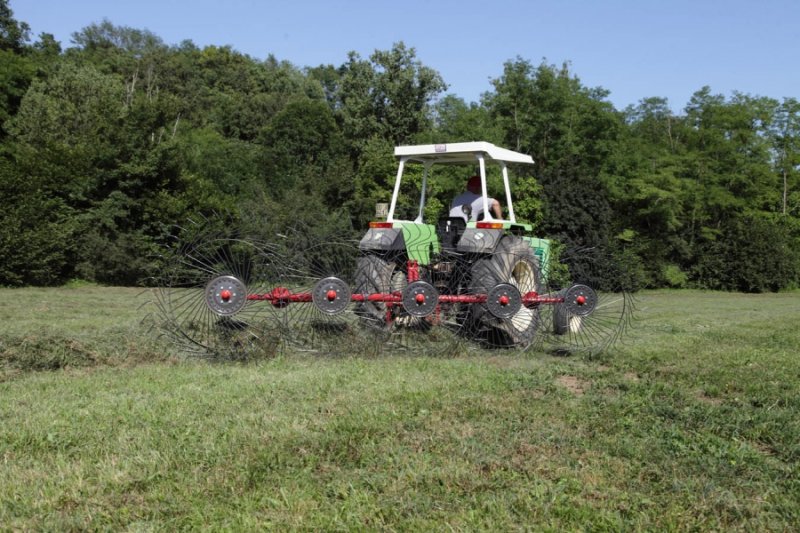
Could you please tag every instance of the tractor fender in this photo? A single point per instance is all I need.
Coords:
(383, 239)
(479, 240)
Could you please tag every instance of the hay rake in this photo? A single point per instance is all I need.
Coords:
(405, 284)
(233, 298)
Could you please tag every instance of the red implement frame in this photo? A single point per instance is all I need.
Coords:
(281, 296)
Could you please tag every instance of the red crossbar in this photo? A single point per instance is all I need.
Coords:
(281, 297)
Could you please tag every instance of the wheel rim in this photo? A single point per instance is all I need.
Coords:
(574, 323)
(524, 279)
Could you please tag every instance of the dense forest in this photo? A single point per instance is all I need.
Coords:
(106, 144)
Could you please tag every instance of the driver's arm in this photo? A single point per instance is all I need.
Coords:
(497, 211)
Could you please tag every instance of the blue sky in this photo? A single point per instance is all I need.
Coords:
(634, 49)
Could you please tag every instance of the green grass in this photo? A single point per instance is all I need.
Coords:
(690, 424)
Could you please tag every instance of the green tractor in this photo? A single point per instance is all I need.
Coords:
(483, 274)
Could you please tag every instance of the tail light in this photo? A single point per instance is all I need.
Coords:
(489, 225)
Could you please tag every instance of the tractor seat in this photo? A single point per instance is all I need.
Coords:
(449, 230)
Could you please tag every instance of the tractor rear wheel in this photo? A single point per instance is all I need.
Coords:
(515, 263)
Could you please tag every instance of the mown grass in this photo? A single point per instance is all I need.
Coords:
(690, 424)
(73, 327)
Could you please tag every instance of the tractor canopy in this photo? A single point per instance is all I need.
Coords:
(420, 239)
(459, 153)
(465, 153)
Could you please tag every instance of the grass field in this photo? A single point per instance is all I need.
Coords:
(692, 423)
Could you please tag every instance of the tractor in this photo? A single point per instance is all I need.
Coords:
(487, 275)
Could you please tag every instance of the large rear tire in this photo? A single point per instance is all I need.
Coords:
(513, 262)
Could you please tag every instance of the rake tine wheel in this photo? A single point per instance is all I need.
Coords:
(322, 276)
(451, 328)
(598, 304)
(201, 299)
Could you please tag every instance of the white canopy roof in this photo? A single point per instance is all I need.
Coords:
(459, 153)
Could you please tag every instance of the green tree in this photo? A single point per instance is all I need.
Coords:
(686, 188)
(67, 128)
(647, 190)
(733, 151)
(301, 139)
(37, 233)
(17, 67)
(752, 253)
(456, 121)
(13, 33)
(785, 136)
(570, 131)
(16, 73)
(111, 161)
(388, 96)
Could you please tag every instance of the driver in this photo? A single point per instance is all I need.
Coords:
(469, 204)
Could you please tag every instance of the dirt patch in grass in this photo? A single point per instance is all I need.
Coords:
(573, 384)
(709, 400)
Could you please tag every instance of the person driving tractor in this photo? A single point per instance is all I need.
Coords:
(469, 204)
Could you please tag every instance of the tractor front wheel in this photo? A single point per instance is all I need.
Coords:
(564, 322)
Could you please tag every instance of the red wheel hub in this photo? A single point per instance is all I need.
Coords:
(580, 300)
(420, 299)
(331, 295)
(504, 300)
(225, 295)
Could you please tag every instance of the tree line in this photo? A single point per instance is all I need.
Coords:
(109, 143)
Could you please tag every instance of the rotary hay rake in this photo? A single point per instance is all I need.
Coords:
(225, 296)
